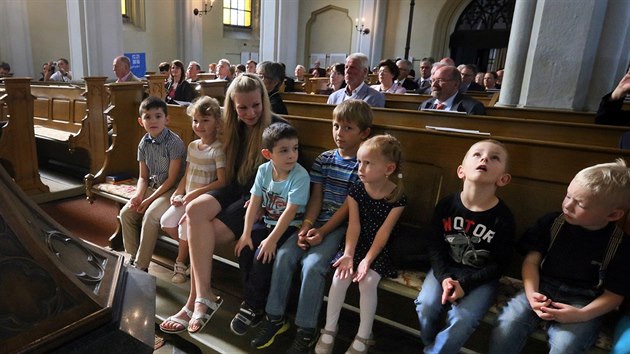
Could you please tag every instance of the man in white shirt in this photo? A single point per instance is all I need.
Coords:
(63, 73)
(192, 72)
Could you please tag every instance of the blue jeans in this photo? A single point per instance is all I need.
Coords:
(315, 266)
(518, 321)
(462, 317)
(621, 342)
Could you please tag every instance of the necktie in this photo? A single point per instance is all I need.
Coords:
(440, 106)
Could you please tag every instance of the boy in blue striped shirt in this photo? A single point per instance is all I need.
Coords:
(161, 154)
(323, 228)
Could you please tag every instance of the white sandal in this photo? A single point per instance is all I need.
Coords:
(204, 318)
(177, 320)
(322, 347)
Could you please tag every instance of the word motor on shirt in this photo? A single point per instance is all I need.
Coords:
(458, 223)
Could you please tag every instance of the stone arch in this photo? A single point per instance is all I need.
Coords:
(339, 40)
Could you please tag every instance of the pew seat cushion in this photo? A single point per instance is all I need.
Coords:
(122, 190)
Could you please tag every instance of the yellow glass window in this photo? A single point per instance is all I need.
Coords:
(237, 13)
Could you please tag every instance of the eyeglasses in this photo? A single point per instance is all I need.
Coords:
(440, 81)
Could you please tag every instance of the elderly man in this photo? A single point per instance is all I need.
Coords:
(192, 72)
(404, 67)
(355, 73)
(122, 69)
(445, 84)
(469, 72)
(223, 70)
(63, 72)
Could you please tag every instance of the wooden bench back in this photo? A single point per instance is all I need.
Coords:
(573, 133)
(59, 107)
(540, 171)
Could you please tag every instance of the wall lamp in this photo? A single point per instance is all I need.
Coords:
(361, 29)
(205, 10)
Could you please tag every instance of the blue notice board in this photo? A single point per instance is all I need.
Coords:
(138, 64)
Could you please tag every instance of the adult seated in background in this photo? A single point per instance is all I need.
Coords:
(479, 78)
(251, 66)
(240, 69)
(223, 70)
(177, 88)
(316, 65)
(446, 96)
(299, 72)
(469, 72)
(272, 75)
(356, 70)
(164, 68)
(404, 68)
(387, 74)
(335, 79)
(63, 73)
(448, 61)
(610, 111)
(48, 69)
(122, 69)
(192, 72)
(318, 72)
(424, 80)
(5, 69)
(490, 81)
(212, 68)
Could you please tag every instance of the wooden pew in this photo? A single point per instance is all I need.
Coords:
(18, 154)
(572, 133)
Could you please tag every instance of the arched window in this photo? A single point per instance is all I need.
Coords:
(482, 34)
(237, 13)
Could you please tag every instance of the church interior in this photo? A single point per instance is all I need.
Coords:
(73, 74)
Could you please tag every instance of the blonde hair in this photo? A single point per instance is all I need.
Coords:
(236, 136)
(354, 111)
(610, 182)
(390, 148)
(206, 107)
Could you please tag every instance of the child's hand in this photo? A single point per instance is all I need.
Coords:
(177, 199)
(562, 313)
(537, 301)
(451, 291)
(190, 197)
(243, 241)
(135, 202)
(266, 251)
(302, 242)
(314, 237)
(362, 270)
(344, 267)
(144, 205)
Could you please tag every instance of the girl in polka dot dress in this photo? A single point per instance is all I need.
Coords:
(375, 205)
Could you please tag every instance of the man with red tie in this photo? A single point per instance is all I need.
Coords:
(445, 84)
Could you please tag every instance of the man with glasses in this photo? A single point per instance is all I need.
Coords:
(445, 84)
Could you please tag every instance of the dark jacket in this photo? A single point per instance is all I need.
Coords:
(461, 103)
(610, 112)
(185, 91)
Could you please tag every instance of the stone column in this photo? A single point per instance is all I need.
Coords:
(279, 31)
(15, 43)
(517, 52)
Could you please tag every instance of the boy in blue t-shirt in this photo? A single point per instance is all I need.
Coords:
(323, 229)
(161, 155)
(280, 191)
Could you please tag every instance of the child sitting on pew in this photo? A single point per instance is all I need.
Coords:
(280, 194)
(160, 156)
(576, 267)
(375, 204)
(205, 171)
(470, 245)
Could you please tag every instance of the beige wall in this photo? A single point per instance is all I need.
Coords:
(49, 32)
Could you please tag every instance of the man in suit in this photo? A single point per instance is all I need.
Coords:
(404, 67)
(424, 79)
(469, 72)
(355, 73)
(445, 84)
(122, 69)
